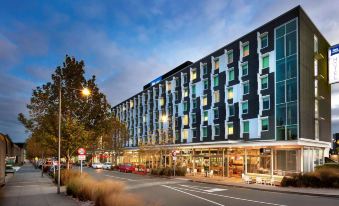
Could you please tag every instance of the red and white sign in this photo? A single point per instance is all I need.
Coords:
(81, 151)
(81, 157)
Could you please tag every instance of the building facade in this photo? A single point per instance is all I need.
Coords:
(260, 104)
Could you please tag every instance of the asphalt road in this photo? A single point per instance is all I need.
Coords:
(181, 192)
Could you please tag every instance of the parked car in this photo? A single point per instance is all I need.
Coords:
(97, 165)
(126, 168)
(107, 165)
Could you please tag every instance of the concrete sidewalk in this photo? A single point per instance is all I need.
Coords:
(237, 182)
(27, 187)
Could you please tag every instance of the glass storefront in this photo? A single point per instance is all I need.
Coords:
(259, 161)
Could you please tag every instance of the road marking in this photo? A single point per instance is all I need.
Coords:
(172, 188)
(236, 198)
(150, 184)
(206, 189)
(120, 178)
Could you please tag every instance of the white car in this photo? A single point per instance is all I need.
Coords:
(97, 165)
(107, 166)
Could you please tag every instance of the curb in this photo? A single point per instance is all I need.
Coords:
(266, 189)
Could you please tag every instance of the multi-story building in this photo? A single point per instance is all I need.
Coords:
(260, 104)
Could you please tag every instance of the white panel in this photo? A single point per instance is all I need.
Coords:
(253, 133)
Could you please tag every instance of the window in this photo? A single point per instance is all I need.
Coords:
(216, 113)
(205, 69)
(162, 101)
(194, 133)
(177, 82)
(266, 103)
(231, 74)
(193, 90)
(244, 107)
(264, 40)
(244, 69)
(185, 134)
(246, 87)
(230, 57)
(193, 74)
(264, 82)
(216, 96)
(265, 62)
(205, 115)
(185, 119)
(194, 118)
(176, 109)
(246, 126)
(205, 84)
(185, 92)
(231, 110)
(246, 49)
(230, 93)
(204, 100)
(216, 63)
(230, 128)
(185, 107)
(195, 103)
(185, 78)
(176, 96)
(216, 130)
(216, 80)
(204, 131)
(264, 124)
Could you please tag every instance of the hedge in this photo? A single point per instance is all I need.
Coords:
(168, 171)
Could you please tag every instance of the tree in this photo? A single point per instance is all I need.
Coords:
(82, 118)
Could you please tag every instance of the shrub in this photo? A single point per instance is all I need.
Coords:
(169, 171)
(328, 166)
(322, 177)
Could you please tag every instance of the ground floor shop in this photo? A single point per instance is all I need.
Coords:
(233, 160)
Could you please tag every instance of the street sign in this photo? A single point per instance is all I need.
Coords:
(81, 151)
(81, 157)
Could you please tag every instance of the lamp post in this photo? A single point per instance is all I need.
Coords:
(85, 92)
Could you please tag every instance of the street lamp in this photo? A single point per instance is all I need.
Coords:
(84, 92)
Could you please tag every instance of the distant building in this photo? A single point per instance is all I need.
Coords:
(260, 104)
(335, 143)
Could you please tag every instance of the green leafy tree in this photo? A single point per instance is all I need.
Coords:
(82, 117)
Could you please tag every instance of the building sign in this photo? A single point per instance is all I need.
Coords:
(333, 64)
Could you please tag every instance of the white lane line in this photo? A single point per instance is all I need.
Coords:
(206, 189)
(120, 178)
(192, 195)
(236, 198)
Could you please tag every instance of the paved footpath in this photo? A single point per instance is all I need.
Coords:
(27, 187)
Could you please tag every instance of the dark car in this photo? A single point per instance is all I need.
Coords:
(126, 168)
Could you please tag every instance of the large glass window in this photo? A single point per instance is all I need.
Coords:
(185, 120)
(185, 106)
(204, 100)
(264, 124)
(286, 81)
(195, 103)
(216, 96)
(193, 74)
(205, 68)
(185, 92)
(287, 162)
(193, 89)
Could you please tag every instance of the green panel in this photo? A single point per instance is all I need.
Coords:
(246, 126)
(265, 62)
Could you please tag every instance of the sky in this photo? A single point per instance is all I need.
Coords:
(126, 43)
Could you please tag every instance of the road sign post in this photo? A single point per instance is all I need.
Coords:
(81, 157)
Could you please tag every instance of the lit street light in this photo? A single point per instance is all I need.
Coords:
(84, 92)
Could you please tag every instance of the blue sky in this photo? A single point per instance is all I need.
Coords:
(125, 44)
